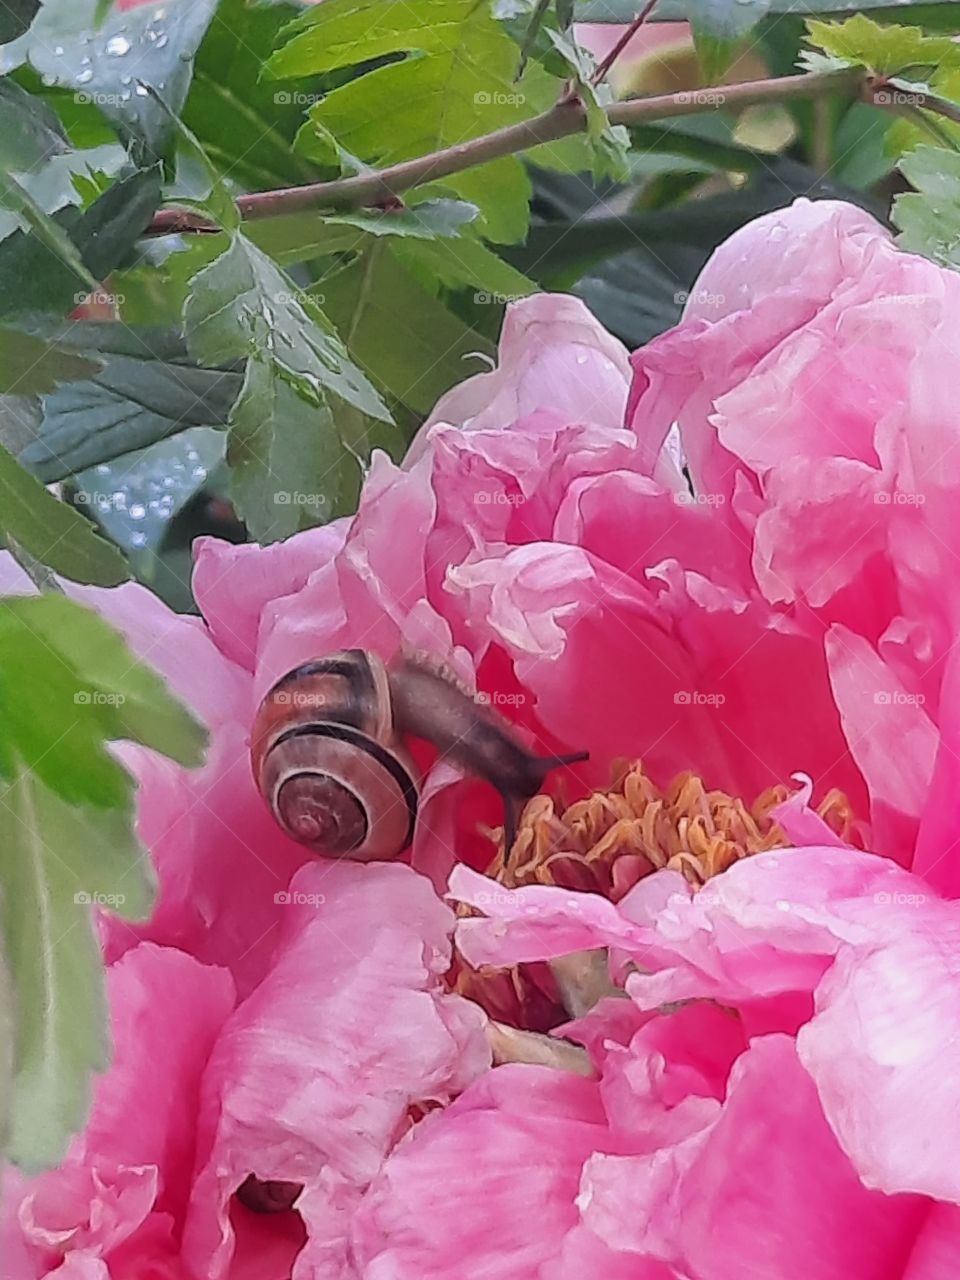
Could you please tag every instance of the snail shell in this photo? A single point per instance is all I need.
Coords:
(327, 760)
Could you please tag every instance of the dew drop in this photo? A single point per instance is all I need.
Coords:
(138, 538)
(126, 79)
(84, 77)
(117, 46)
(161, 41)
(58, 50)
(137, 511)
(142, 91)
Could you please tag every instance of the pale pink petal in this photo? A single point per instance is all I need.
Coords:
(740, 1202)
(233, 585)
(313, 1077)
(528, 1131)
(553, 355)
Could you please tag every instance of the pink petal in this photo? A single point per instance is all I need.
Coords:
(312, 1079)
(553, 355)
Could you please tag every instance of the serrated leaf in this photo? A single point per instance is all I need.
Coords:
(242, 306)
(420, 358)
(68, 686)
(609, 143)
(51, 270)
(48, 241)
(29, 364)
(454, 81)
(886, 50)
(147, 390)
(52, 532)
(151, 44)
(285, 456)
(245, 123)
(53, 868)
(300, 237)
(929, 218)
(462, 261)
(680, 10)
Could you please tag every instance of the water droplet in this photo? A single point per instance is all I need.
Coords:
(58, 50)
(48, 78)
(85, 61)
(84, 77)
(162, 40)
(185, 55)
(158, 14)
(126, 96)
(138, 538)
(126, 79)
(103, 469)
(137, 511)
(199, 473)
(161, 84)
(117, 46)
(142, 91)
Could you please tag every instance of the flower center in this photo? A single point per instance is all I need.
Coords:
(607, 842)
(611, 839)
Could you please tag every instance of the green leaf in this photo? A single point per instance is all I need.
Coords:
(242, 305)
(29, 364)
(147, 390)
(284, 453)
(886, 50)
(420, 358)
(52, 532)
(609, 143)
(454, 80)
(246, 124)
(15, 18)
(463, 261)
(51, 270)
(113, 63)
(134, 499)
(58, 861)
(679, 10)
(929, 218)
(300, 237)
(68, 687)
(29, 131)
(48, 245)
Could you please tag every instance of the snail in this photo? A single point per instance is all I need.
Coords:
(329, 758)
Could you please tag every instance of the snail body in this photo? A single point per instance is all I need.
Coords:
(328, 751)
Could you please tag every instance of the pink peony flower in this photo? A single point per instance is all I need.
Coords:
(769, 1096)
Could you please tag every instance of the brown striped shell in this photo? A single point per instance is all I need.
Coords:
(327, 761)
